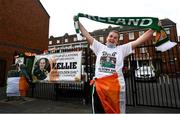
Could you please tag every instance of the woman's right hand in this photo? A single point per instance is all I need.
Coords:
(75, 18)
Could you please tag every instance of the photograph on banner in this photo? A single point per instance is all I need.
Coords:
(64, 66)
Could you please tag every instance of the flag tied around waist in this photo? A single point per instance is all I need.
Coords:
(108, 89)
(162, 41)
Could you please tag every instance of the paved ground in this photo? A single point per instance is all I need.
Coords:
(35, 105)
(32, 105)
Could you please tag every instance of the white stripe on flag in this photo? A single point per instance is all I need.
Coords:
(13, 86)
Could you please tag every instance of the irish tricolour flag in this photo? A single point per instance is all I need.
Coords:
(16, 86)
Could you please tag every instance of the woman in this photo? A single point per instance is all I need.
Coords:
(109, 79)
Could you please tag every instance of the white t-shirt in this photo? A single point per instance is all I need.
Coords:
(109, 60)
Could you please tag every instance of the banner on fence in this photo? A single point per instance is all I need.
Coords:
(64, 66)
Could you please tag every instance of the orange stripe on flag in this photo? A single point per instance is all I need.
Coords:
(108, 90)
(23, 86)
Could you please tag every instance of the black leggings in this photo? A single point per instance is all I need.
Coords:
(98, 108)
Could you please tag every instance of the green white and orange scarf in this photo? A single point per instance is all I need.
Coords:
(162, 41)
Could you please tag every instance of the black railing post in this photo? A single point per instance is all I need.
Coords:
(133, 84)
(32, 89)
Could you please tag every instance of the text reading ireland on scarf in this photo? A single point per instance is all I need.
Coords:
(122, 21)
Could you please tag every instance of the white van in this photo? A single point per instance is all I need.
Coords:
(145, 73)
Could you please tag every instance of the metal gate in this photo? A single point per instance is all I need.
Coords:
(160, 86)
(158, 81)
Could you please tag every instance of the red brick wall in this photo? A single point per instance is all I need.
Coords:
(24, 26)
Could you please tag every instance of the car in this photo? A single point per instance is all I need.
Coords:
(145, 73)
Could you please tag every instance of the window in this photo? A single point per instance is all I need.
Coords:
(75, 39)
(121, 37)
(141, 33)
(84, 38)
(131, 36)
(76, 45)
(58, 41)
(66, 40)
(84, 45)
(167, 30)
(101, 39)
(50, 42)
(143, 50)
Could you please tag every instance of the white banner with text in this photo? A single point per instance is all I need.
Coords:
(64, 66)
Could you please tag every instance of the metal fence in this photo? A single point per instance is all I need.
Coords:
(161, 89)
(57, 90)
(157, 84)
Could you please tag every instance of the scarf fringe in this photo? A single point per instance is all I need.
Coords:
(166, 46)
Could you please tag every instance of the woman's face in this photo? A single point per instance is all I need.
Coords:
(42, 63)
(112, 38)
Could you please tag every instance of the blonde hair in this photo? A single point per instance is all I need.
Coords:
(115, 31)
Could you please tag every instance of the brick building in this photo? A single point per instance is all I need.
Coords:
(24, 27)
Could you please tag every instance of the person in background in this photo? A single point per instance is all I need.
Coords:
(25, 80)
